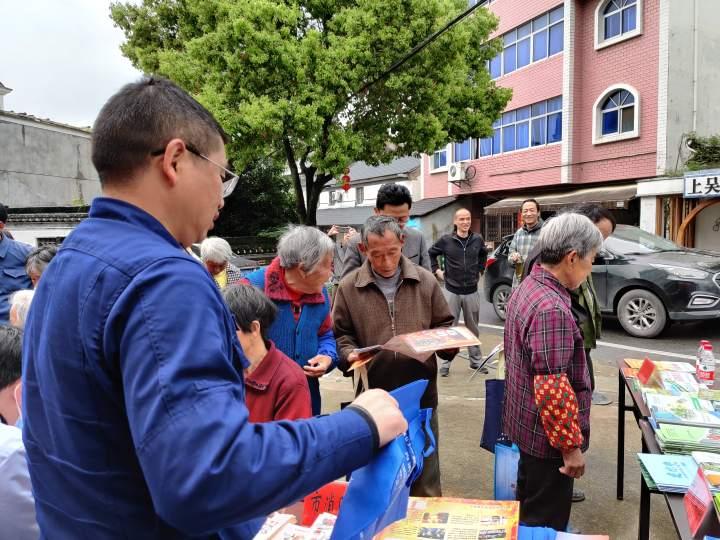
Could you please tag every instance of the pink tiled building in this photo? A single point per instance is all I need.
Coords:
(604, 95)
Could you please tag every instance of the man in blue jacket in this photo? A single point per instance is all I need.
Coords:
(134, 417)
(12, 266)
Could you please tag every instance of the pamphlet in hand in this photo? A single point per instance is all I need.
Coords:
(421, 345)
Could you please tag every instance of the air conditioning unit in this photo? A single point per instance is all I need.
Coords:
(456, 173)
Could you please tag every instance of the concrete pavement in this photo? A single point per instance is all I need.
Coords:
(467, 469)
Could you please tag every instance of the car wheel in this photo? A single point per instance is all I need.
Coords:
(641, 313)
(499, 300)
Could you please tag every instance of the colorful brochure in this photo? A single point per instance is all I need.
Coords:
(684, 409)
(667, 472)
(709, 462)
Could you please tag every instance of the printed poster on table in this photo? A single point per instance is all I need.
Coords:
(456, 519)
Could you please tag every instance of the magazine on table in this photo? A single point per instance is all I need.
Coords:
(447, 518)
(667, 472)
(421, 345)
(709, 462)
(662, 365)
(684, 409)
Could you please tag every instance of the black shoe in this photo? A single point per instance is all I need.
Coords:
(444, 372)
(578, 495)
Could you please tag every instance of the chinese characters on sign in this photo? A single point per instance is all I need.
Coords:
(702, 184)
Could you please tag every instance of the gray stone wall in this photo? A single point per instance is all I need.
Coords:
(44, 165)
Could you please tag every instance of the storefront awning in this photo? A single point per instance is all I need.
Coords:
(610, 196)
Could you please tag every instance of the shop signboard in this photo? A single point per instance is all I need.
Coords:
(702, 184)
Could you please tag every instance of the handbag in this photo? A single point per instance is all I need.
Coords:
(492, 425)
(378, 493)
(507, 456)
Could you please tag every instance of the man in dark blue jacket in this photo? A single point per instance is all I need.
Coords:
(12, 266)
(134, 416)
(465, 255)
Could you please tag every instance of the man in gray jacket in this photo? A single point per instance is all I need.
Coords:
(395, 201)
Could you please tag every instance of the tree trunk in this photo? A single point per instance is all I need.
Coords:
(300, 208)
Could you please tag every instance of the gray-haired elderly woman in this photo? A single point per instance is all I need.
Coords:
(547, 383)
(215, 254)
(295, 282)
(37, 261)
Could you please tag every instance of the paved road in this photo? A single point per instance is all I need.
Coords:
(677, 342)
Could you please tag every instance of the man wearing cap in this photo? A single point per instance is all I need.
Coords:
(12, 266)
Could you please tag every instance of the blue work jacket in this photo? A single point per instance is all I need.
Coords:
(12, 272)
(135, 422)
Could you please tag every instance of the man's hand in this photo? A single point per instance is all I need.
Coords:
(440, 274)
(333, 230)
(317, 366)
(384, 410)
(574, 463)
(515, 257)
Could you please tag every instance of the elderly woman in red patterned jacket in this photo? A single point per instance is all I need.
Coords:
(547, 396)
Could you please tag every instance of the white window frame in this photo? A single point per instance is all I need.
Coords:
(359, 195)
(545, 28)
(600, 41)
(448, 158)
(598, 137)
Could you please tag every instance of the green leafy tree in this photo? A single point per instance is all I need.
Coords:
(262, 202)
(305, 78)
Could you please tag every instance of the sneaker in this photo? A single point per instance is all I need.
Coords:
(600, 399)
(444, 372)
(578, 495)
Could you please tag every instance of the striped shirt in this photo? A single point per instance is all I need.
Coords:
(541, 338)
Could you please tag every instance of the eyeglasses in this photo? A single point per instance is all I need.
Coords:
(229, 179)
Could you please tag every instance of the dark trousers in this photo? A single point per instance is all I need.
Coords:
(544, 493)
(590, 369)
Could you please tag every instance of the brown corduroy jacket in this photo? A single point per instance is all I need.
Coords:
(362, 318)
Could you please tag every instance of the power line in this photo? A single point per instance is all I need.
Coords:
(420, 46)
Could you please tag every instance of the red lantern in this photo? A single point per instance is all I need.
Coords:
(345, 182)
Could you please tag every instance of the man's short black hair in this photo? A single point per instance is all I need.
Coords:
(249, 304)
(3, 213)
(596, 213)
(142, 118)
(537, 204)
(10, 355)
(394, 195)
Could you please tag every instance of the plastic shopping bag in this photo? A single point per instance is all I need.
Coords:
(507, 456)
(377, 494)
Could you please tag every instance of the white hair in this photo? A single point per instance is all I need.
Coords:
(215, 249)
(20, 301)
(304, 244)
(565, 233)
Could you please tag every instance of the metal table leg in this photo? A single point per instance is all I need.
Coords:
(620, 436)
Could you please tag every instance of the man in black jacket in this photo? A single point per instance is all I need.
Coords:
(465, 256)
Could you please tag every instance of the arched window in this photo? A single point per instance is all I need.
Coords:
(617, 20)
(616, 115)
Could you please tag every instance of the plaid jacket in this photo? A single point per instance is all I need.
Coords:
(523, 242)
(541, 338)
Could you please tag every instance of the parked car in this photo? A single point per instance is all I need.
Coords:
(642, 279)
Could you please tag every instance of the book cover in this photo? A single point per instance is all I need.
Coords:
(662, 365)
(671, 473)
(446, 518)
(699, 506)
(683, 409)
(709, 462)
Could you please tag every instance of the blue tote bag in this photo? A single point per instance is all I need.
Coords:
(378, 493)
(507, 456)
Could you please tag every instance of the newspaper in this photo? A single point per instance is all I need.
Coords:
(421, 345)
(283, 527)
(456, 519)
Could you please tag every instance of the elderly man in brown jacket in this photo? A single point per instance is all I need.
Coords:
(389, 295)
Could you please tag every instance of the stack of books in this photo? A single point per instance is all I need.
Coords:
(684, 409)
(668, 473)
(709, 462)
(676, 439)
